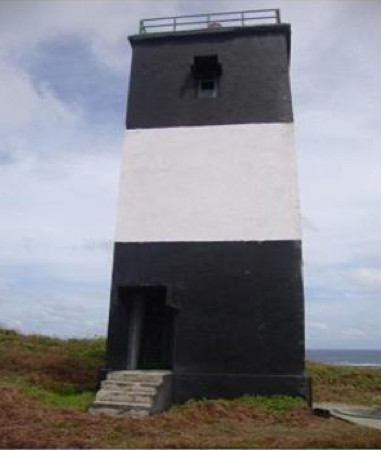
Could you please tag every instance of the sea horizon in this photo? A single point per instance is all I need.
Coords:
(346, 357)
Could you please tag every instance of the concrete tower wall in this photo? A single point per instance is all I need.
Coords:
(208, 218)
(253, 88)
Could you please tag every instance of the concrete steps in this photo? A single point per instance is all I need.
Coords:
(137, 387)
(121, 396)
(134, 393)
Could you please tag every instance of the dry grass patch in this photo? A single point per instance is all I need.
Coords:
(50, 362)
(207, 424)
(345, 384)
(41, 378)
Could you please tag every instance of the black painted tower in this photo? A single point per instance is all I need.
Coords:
(207, 277)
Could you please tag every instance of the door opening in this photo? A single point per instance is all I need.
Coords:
(150, 327)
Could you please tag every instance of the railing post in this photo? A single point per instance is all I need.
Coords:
(141, 27)
(174, 24)
(243, 18)
(207, 20)
(277, 12)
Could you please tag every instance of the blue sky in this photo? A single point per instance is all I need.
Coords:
(63, 88)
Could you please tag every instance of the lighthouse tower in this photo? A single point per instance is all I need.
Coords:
(207, 282)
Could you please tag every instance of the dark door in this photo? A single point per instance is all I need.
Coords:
(151, 326)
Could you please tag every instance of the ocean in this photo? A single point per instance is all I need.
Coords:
(364, 358)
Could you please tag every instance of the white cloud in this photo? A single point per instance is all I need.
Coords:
(341, 310)
(354, 333)
(104, 25)
(61, 312)
(368, 277)
(319, 326)
(67, 201)
(24, 104)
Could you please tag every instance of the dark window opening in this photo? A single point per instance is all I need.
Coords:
(206, 67)
(206, 71)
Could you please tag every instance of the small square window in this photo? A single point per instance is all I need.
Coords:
(207, 89)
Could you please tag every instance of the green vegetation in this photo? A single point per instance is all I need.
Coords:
(277, 405)
(346, 384)
(61, 396)
(46, 385)
(50, 362)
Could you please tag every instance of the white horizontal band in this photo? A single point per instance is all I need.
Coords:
(211, 183)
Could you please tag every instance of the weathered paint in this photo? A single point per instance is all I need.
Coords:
(212, 183)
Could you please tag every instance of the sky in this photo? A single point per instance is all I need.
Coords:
(64, 68)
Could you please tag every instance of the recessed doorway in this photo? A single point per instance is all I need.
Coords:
(150, 327)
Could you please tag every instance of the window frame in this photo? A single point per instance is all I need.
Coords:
(207, 93)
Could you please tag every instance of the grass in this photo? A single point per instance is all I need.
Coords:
(346, 384)
(46, 385)
(50, 362)
(278, 405)
(65, 397)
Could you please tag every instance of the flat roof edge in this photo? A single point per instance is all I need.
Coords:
(284, 28)
(253, 29)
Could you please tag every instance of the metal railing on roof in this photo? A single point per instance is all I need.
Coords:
(209, 21)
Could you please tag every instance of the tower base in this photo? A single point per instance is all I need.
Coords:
(188, 386)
